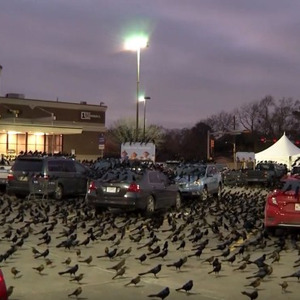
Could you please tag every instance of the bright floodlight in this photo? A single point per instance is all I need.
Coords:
(136, 42)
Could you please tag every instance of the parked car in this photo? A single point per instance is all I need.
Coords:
(234, 177)
(295, 170)
(266, 173)
(134, 189)
(200, 180)
(282, 208)
(71, 177)
(5, 166)
(3, 291)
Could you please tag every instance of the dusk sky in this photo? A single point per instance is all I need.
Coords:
(204, 56)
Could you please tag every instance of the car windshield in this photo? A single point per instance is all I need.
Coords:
(290, 185)
(120, 176)
(28, 165)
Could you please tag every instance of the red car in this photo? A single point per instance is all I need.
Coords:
(282, 207)
(3, 292)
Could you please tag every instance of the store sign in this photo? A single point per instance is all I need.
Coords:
(87, 115)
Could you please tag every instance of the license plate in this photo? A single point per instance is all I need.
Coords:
(297, 206)
(110, 189)
(23, 178)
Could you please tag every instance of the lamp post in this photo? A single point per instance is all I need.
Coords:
(144, 99)
(136, 43)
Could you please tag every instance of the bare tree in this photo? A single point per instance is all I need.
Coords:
(249, 115)
(221, 122)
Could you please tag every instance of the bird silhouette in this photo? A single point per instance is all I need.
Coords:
(134, 281)
(43, 254)
(252, 295)
(182, 245)
(162, 294)
(295, 274)
(120, 272)
(87, 260)
(77, 278)
(284, 285)
(9, 291)
(118, 265)
(187, 286)
(76, 293)
(154, 270)
(141, 258)
(71, 270)
(40, 268)
(14, 271)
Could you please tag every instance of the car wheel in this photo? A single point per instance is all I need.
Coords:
(58, 192)
(150, 206)
(178, 201)
(204, 195)
(218, 194)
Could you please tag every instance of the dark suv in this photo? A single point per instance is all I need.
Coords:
(70, 176)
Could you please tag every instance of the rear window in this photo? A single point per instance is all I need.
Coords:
(28, 165)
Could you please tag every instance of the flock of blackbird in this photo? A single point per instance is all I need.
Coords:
(215, 238)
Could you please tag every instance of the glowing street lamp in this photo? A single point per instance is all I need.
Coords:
(136, 43)
(144, 99)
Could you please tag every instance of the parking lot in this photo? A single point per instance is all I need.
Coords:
(234, 222)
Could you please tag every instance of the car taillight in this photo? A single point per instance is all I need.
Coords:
(134, 187)
(10, 177)
(273, 201)
(92, 186)
(3, 294)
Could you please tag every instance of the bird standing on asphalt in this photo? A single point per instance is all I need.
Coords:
(77, 278)
(284, 286)
(9, 291)
(154, 271)
(162, 294)
(118, 266)
(252, 295)
(177, 264)
(295, 274)
(14, 271)
(70, 271)
(134, 281)
(40, 268)
(142, 258)
(76, 293)
(87, 260)
(120, 272)
(187, 286)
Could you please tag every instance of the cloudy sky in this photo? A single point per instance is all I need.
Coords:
(204, 56)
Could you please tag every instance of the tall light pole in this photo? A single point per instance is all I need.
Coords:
(144, 99)
(136, 43)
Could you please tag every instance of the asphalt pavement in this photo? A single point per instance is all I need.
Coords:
(234, 222)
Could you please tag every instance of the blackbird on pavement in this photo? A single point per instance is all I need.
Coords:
(187, 286)
(76, 293)
(162, 294)
(70, 271)
(134, 281)
(252, 295)
(154, 270)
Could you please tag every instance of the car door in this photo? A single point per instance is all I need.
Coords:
(212, 179)
(81, 178)
(158, 188)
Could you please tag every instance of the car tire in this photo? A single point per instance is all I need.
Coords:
(218, 194)
(150, 205)
(59, 191)
(204, 195)
(178, 202)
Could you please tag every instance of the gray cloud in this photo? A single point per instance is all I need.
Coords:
(204, 56)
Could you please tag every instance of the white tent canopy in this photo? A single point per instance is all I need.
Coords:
(283, 151)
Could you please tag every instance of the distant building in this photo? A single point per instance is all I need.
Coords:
(51, 126)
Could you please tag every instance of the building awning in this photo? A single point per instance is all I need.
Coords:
(40, 128)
